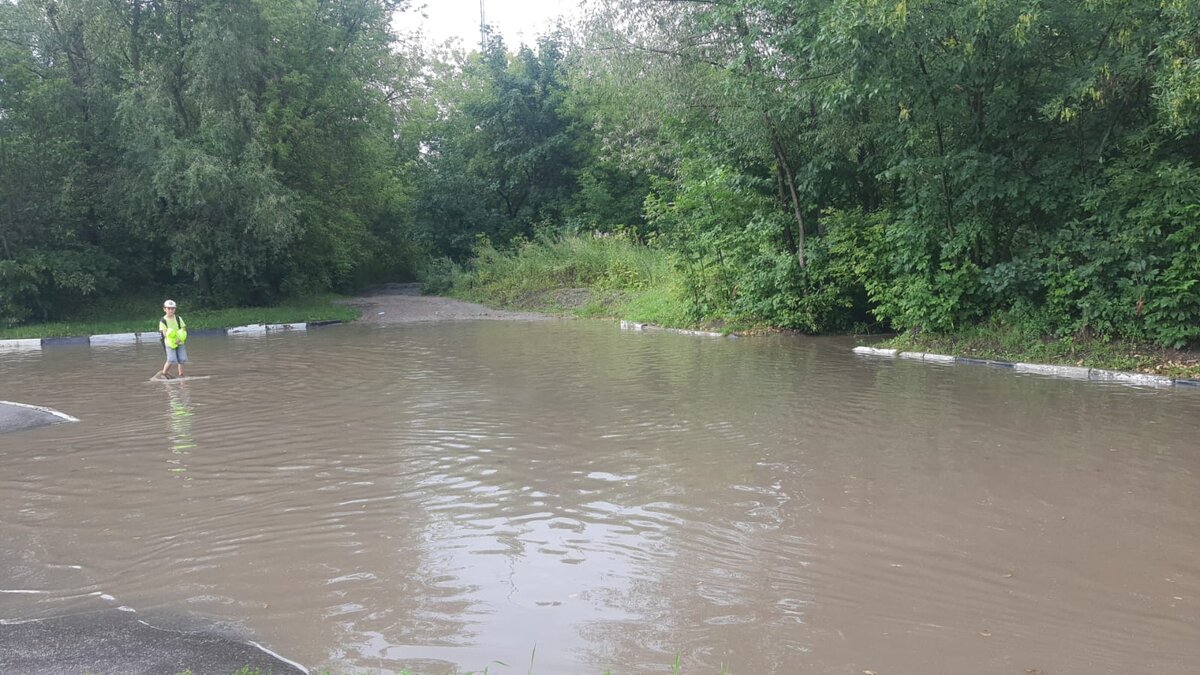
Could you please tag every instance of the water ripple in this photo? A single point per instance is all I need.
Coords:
(383, 498)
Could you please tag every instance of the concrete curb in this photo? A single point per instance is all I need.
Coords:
(118, 339)
(872, 351)
(1068, 372)
(640, 327)
(42, 409)
(922, 356)
(22, 345)
(113, 339)
(63, 341)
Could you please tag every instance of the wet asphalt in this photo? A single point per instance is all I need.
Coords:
(115, 641)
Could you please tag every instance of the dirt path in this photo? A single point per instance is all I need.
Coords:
(403, 303)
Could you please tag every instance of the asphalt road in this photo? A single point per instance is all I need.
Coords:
(17, 418)
(114, 641)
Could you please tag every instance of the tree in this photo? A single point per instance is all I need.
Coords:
(503, 155)
(247, 149)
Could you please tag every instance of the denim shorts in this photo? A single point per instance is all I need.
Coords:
(177, 355)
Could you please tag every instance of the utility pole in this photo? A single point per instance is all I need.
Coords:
(482, 28)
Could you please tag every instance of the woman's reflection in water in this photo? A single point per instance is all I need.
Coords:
(181, 427)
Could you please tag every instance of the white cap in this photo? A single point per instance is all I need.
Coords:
(168, 303)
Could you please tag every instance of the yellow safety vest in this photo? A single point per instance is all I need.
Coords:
(175, 335)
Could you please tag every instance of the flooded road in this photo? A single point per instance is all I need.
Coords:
(440, 496)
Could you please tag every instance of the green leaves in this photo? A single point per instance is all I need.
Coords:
(505, 154)
(242, 148)
(1001, 154)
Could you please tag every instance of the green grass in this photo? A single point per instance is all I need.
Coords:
(534, 267)
(132, 315)
(613, 277)
(585, 276)
(1006, 342)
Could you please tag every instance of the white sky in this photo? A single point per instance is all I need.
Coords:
(517, 20)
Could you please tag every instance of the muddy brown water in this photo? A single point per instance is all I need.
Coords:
(441, 496)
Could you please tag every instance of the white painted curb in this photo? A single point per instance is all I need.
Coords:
(114, 339)
(923, 356)
(35, 344)
(42, 409)
(872, 351)
(14, 345)
(1131, 378)
(637, 327)
(1071, 372)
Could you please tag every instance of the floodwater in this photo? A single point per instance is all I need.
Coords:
(441, 496)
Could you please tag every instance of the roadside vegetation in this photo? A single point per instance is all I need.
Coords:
(136, 315)
(1010, 342)
(591, 276)
(1024, 172)
(615, 277)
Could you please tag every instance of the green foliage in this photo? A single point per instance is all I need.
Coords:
(712, 220)
(440, 275)
(1020, 336)
(131, 314)
(822, 166)
(844, 264)
(530, 267)
(39, 284)
(246, 150)
(933, 164)
(503, 157)
(1131, 269)
(726, 237)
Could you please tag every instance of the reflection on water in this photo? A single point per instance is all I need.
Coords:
(440, 496)
(182, 441)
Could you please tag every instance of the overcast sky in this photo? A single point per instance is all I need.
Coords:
(517, 20)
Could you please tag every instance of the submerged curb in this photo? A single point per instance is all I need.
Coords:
(640, 327)
(1069, 372)
(116, 339)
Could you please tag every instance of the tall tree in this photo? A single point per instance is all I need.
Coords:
(248, 148)
(505, 153)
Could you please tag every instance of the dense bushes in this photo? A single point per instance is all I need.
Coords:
(919, 165)
(238, 150)
(826, 166)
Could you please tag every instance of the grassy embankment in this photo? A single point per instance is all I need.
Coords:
(588, 277)
(133, 315)
(1003, 341)
(617, 278)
